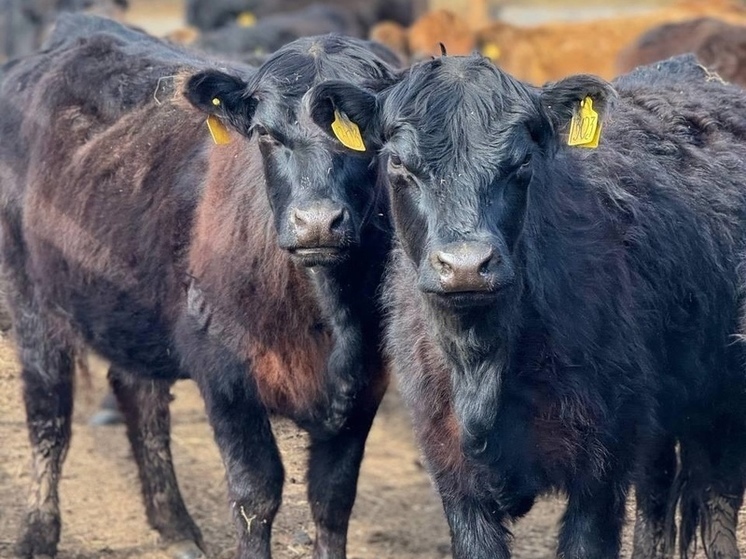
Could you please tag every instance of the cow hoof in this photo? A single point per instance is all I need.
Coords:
(185, 550)
(39, 537)
(105, 417)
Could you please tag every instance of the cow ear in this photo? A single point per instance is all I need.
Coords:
(562, 101)
(347, 113)
(222, 95)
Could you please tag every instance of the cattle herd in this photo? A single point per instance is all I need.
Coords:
(552, 266)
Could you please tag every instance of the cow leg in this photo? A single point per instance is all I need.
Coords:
(47, 362)
(478, 527)
(144, 404)
(334, 465)
(713, 492)
(240, 422)
(249, 451)
(652, 492)
(592, 524)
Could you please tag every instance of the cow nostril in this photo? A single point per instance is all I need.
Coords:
(298, 217)
(337, 219)
(484, 267)
(442, 265)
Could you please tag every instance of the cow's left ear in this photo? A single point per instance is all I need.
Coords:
(348, 113)
(222, 95)
(565, 100)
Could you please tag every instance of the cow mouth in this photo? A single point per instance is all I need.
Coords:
(465, 299)
(318, 256)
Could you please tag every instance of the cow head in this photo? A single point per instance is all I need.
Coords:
(320, 196)
(463, 145)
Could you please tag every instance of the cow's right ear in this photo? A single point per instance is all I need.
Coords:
(348, 113)
(222, 95)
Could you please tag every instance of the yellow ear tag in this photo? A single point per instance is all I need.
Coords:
(585, 128)
(491, 51)
(246, 19)
(218, 131)
(347, 132)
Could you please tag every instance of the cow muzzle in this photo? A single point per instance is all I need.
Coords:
(465, 272)
(321, 233)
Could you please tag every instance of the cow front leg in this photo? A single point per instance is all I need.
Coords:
(478, 527)
(592, 524)
(47, 376)
(653, 487)
(253, 466)
(240, 423)
(333, 469)
(145, 406)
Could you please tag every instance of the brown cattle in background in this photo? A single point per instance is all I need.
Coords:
(422, 40)
(719, 45)
(552, 50)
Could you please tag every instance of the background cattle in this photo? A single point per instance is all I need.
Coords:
(24, 23)
(561, 316)
(250, 266)
(206, 15)
(276, 30)
(552, 50)
(718, 45)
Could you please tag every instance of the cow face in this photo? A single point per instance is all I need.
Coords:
(462, 145)
(320, 196)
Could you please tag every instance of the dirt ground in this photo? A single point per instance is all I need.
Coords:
(397, 514)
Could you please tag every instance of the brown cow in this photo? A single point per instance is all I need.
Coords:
(719, 45)
(550, 51)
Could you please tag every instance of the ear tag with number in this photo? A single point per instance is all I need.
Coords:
(218, 131)
(347, 132)
(585, 128)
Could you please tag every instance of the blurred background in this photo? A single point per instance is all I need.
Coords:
(535, 40)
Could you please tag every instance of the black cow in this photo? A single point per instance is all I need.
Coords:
(274, 31)
(126, 228)
(561, 317)
(207, 15)
(24, 23)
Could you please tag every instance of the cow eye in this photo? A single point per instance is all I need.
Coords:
(526, 161)
(261, 131)
(395, 161)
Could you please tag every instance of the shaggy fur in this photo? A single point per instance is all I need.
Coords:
(602, 332)
(126, 228)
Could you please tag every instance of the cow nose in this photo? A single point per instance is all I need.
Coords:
(464, 266)
(319, 225)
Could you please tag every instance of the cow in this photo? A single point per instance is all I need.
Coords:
(245, 254)
(25, 23)
(561, 316)
(546, 51)
(274, 31)
(719, 45)
(208, 15)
